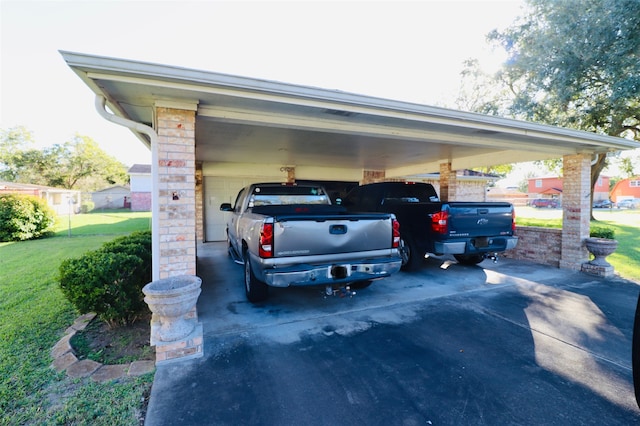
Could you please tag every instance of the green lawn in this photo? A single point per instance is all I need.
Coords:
(33, 317)
(626, 223)
(103, 223)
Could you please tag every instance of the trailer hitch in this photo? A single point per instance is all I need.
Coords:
(492, 256)
(340, 291)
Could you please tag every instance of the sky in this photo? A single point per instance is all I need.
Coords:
(409, 51)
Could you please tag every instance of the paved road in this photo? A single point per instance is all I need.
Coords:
(511, 343)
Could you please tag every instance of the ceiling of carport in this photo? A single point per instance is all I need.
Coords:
(244, 120)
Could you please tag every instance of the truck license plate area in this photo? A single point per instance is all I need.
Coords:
(339, 271)
(481, 242)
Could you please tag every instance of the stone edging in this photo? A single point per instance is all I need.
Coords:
(64, 359)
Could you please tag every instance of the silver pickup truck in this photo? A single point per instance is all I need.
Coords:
(291, 235)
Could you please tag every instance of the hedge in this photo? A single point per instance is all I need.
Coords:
(24, 217)
(109, 281)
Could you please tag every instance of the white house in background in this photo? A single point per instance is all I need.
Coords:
(140, 181)
(62, 201)
(114, 197)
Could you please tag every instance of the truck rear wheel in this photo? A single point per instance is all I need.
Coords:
(409, 254)
(469, 259)
(256, 290)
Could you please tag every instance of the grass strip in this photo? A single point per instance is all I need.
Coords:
(33, 317)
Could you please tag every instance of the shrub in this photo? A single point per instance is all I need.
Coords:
(109, 281)
(24, 217)
(602, 232)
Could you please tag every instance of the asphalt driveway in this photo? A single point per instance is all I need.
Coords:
(494, 344)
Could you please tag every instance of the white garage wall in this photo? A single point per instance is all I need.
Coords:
(218, 190)
(272, 172)
(223, 181)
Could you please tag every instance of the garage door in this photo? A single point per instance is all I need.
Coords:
(218, 190)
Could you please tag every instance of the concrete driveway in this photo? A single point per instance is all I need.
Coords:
(494, 344)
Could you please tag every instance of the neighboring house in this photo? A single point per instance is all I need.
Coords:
(625, 189)
(140, 181)
(62, 201)
(510, 195)
(114, 197)
(551, 187)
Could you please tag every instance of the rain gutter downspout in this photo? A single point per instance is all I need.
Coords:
(155, 182)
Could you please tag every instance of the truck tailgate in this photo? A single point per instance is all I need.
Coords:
(312, 235)
(478, 219)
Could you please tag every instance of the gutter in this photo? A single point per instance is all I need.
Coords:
(100, 104)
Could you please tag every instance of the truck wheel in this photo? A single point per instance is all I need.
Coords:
(256, 291)
(409, 254)
(469, 259)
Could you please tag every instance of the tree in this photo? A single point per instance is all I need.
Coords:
(81, 159)
(574, 64)
(13, 143)
(76, 164)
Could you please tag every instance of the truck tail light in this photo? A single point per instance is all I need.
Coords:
(513, 220)
(395, 243)
(265, 246)
(439, 222)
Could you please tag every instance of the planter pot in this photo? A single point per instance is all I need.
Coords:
(600, 248)
(170, 300)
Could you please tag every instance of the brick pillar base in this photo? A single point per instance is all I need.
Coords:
(188, 348)
(599, 270)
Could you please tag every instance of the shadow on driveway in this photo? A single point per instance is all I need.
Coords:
(505, 343)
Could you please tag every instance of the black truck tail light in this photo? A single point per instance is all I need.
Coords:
(439, 222)
(513, 220)
(265, 246)
(395, 243)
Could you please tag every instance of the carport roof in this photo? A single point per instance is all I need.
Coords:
(248, 120)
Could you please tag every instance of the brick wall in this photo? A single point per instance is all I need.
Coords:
(176, 192)
(466, 190)
(140, 201)
(539, 245)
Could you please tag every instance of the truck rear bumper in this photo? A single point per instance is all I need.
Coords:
(337, 273)
(473, 245)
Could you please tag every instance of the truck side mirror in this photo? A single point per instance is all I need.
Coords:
(226, 207)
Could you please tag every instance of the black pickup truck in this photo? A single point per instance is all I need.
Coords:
(470, 231)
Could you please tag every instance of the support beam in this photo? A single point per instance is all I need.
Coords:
(176, 169)
(448, 183)
(576, 210)
(372, 176)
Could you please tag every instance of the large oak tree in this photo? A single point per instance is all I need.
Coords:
(76, 164)
(572, 63)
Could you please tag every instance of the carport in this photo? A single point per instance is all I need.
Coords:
(209, 133)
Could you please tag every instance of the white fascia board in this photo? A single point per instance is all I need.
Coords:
(194, 81)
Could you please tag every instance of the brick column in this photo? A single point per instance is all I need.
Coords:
(372, 176)
(176, 170)
(448, 183)
(576, 190)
